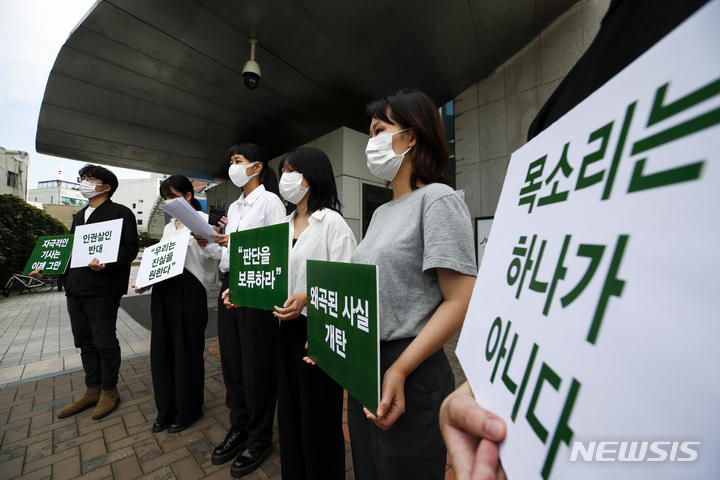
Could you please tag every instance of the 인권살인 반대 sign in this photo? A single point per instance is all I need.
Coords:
(593, 322)
(343, 329)
(259, 266)
(51, 255)
(163, 260)
(96, 240)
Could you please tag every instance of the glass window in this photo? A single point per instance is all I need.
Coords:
(372, 197)
(139, 222)
(73, 201)
(11, 179)
(447, 113)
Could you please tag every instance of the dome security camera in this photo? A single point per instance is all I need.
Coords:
(251, 74)
(251, 70)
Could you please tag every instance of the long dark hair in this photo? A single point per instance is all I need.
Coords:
(317, 169)
(256, 153)
(413, 109)
(182, 185)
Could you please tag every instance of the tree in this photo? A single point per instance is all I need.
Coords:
(20, 226)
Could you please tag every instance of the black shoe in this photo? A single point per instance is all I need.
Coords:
(248, 460)
(176, 428)
(158, 427)
(234, 443)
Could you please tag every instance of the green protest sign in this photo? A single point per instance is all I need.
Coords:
(259, 266)
(343, 330)
(51, 254)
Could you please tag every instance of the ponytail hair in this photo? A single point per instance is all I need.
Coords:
(182, 185)
(256, 153)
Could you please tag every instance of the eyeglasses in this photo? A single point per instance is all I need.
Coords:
(91, 179)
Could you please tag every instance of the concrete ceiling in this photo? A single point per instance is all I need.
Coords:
(158, 86)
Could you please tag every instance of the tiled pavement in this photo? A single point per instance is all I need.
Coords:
(36, 340)
(35, 444)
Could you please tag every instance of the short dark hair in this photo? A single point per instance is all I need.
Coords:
(317, 169)
(413, 109)
(181, 184)
(256, 153)
(100, 173)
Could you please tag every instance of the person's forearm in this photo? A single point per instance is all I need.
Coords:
(445, 322)
(441, 327)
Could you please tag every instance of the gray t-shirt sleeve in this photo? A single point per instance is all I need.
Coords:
(448, 237)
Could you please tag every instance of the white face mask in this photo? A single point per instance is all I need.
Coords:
(87, 189)
(291, 187)
(382, 160)
(238, 174)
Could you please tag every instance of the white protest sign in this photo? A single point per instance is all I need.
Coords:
(163, 260)
(188, 216)
(593, 326)
(96, 240)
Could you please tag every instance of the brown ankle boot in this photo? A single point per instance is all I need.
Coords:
(90, 399)
(109, 401)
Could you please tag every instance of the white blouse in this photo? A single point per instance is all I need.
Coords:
(198, 261)
(260, 209)
(327, 237)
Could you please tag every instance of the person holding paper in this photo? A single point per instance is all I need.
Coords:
(422, 243)
(248, 336)
(179, 317)
(310, 402)
(93, 295)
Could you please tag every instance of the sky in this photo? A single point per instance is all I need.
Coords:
(32, 33)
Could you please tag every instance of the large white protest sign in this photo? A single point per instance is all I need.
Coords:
(96, 240)
(163, 260)
(188, 216)
(593, 326)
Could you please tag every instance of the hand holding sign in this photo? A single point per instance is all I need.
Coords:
(472, 435)
(96, 265)
(292, 308)
(392, 402)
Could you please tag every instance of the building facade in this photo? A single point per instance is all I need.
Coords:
(491, 120)
(14, 166)
(57, 192)
(141, 195)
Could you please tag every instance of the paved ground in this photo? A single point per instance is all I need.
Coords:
(36, 341)
(40, 373)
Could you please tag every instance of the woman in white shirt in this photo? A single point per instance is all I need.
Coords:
(248, 336)
(309, 401)
(179, 317)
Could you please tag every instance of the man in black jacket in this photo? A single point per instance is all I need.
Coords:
(93, 296)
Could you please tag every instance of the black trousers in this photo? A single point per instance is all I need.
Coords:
(413, 447)
(309, 412)
(179, 317)
(93, 320)
(248, 339)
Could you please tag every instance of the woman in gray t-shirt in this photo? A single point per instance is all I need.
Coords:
(422, 242)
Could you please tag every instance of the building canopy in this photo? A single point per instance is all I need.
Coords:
(158, 86)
